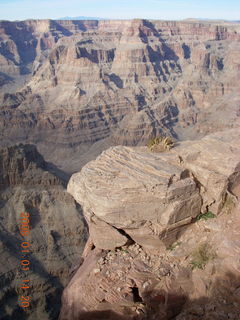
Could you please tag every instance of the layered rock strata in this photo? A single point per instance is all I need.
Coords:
(67, 85)
(155, 256)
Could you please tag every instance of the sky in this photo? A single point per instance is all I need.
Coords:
(120, 9)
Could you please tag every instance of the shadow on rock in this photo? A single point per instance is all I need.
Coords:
(222, 301)
(102, 315)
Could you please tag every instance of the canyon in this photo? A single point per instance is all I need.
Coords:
(124, 230)
(150, 78)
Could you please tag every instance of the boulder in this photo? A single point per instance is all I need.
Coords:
(152, 196)
(137, 192)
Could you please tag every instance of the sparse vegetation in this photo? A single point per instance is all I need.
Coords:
(202, 256)
(206, 216)
(124, 250)
(160, 144)
(174, 246)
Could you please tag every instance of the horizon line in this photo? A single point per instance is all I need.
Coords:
(82, 18)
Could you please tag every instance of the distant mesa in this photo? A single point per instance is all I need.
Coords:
(82, 18)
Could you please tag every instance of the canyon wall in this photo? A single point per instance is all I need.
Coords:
(78, 87)
(57, 234)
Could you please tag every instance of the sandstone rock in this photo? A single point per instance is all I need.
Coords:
(149, 195)
(159, 285)
(138, 192)
(114, 286)
(101, 232)
(215, 164)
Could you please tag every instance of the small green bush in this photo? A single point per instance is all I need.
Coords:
(206, 216)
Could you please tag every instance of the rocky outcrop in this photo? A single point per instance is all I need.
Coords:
(149, 77)
(150, 195)
(214, 165)
(136, 192)
(57, 233)
(149, 262)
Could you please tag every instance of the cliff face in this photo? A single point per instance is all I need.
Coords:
(57, 233)
(149, 77)
(24, 166)
(164, 233)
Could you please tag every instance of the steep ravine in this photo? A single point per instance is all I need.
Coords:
(28, 184)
